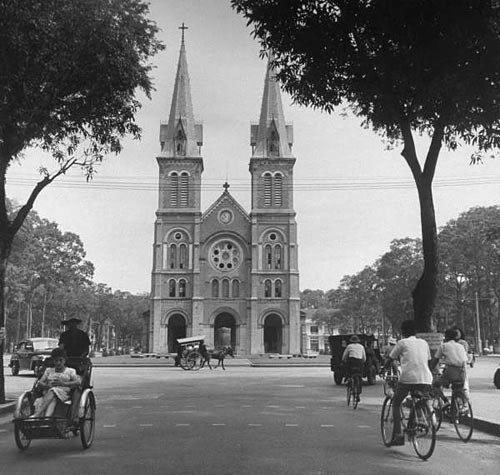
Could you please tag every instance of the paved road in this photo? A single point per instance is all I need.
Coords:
(241, 421)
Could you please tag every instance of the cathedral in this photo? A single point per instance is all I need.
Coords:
(224, 273)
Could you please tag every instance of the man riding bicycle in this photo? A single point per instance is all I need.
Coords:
(414, 355)
(354, 357)
(454, 357)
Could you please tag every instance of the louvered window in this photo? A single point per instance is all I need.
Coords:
(268, 256)
(268, 189)
(184, 189)
(277, 257)
(182, 288)
(173, 256)
(174, 189)
(171, 288)
(182, 256)
(267, 288)
(278, 190)
(225, 288)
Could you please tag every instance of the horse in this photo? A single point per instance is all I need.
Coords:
(219, 355)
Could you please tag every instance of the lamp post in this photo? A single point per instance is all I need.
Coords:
(478, 326)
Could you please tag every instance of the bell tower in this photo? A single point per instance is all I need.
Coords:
(275, 275)
(175, 273)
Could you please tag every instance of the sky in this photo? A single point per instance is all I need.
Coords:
(352, 196)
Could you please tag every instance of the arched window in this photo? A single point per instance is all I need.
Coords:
(267, 288)
(182, 256)
(268, 257)
(184, 189)
(268, 196)
(236, 288)
(278, 189)
(174, 189)
(172, 258)
(225, 289)
(277, 257)
(180, 142)
(182, 288)
(215, 288)
(277, 288)
(171, 288)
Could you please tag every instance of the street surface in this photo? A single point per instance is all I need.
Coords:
(240, 421)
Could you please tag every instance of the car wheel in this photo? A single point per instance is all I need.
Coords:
(14, 369)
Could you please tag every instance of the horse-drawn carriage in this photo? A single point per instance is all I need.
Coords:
(193, 354)
(75, 416)
(189, 356)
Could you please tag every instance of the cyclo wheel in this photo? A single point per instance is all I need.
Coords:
(422, 430)
(87, 420)
(387, 421)
(349, 391)
(464, 423)
(23, 410)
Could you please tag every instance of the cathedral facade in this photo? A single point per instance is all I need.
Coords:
(224, 273)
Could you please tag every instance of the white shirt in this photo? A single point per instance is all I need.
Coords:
(452, 353)
(354, 350)
(414, 355)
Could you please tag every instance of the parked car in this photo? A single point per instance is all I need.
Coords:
(373, 363)
(30, 354)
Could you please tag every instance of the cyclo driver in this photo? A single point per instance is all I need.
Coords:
(76, 344)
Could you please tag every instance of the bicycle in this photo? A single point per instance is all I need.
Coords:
(417, 422)
(353, 389)
(455, 412)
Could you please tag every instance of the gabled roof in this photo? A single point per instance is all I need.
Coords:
(226, 199)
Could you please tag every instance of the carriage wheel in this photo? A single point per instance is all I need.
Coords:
(195, 360)
(22, 441)
(23, 410)
(186, 362)
(87, 421)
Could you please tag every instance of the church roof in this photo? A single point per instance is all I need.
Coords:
(226, 199)
(271, 117)
(181, 114)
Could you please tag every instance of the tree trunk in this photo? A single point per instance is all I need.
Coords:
(425, 292)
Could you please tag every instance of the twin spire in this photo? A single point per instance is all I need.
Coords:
(183, 136)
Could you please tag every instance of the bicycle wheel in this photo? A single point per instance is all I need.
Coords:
(349, 391)
(87, 421)
(355, 392)
(387, 421)
(464, 423)
(422, 430)
(437, 407)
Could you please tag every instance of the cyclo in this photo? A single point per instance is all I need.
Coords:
(75, 416)
(188, 353)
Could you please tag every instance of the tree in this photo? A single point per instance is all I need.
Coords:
(69, 75)
(312, 298)
(425, 66)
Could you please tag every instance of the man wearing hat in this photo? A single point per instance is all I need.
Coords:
(74, 341)
(355, 356)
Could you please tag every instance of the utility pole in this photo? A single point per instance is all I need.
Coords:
(478, 326)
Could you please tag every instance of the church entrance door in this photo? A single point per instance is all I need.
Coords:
(273, 331)
(176, 329)
(224, 331)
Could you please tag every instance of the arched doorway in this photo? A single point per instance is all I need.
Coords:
(273, 334)
(224, 331)
(176, 329)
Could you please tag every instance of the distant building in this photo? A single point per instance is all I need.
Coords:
(314, 336)
(225, 273)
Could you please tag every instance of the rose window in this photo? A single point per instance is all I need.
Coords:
(225, 255)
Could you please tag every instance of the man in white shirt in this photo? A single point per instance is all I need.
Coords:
(414, 355)
(454, 357)
(354, 357)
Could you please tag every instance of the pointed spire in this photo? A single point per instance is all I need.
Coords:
(272, 137)
(182, 136)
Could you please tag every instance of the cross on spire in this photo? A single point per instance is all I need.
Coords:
(183, 27)
(225, 186)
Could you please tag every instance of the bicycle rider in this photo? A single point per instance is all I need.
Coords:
(354, 357)
(414, 356)
(454, 357)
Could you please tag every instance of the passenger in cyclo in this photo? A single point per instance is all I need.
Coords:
(76, 344)
(454, 357)
(56, 384)
(354, 357)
